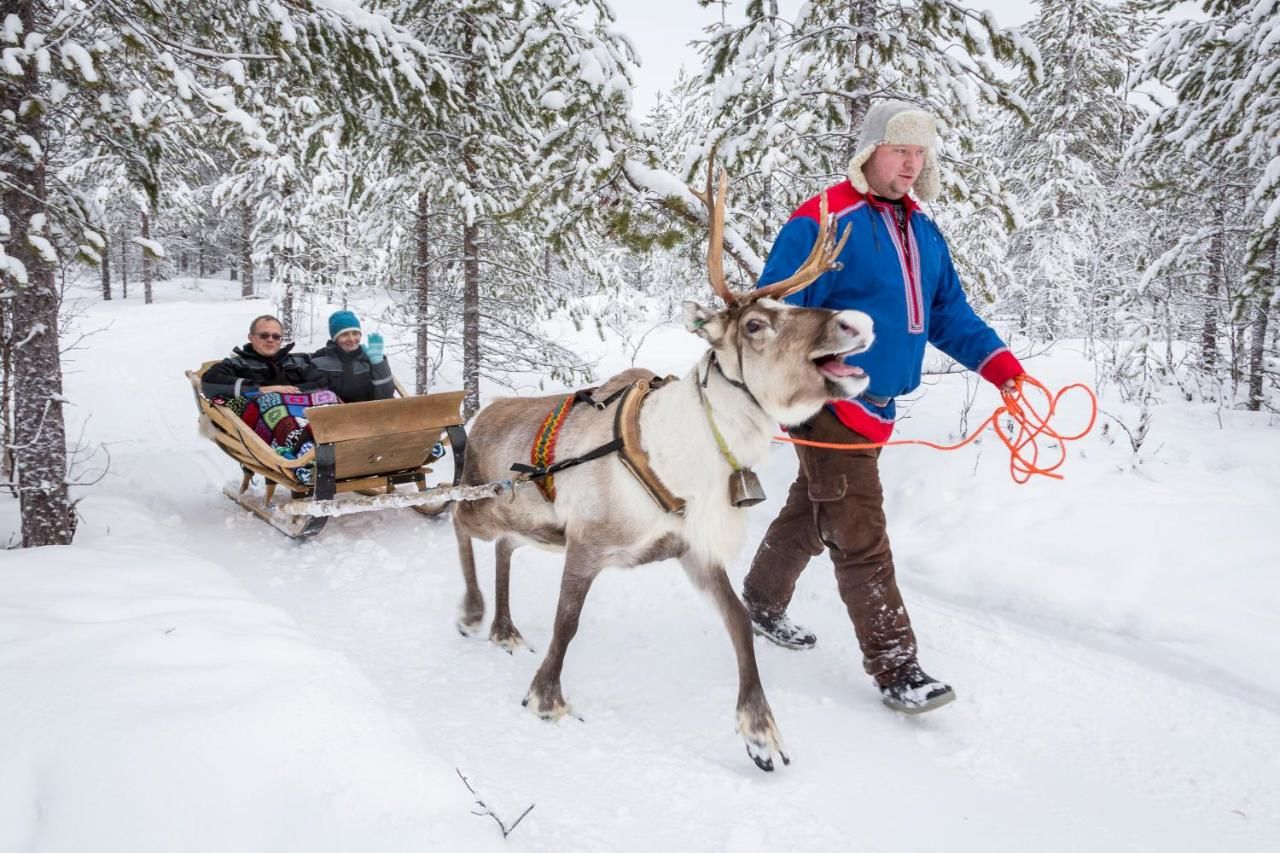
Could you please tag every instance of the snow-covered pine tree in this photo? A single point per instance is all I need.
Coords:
(122, 75)
(789, 95)
(537, 107)
(1062, 165)
(1224, 121)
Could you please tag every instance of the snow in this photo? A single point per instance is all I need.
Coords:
(43, 247)
(32, 147)
(12, 266)
(12, 28)
(75, 56)
(163, 708)
(137, 98)
(234, 69)
(12, 61)
(156, 250)
(184, 678)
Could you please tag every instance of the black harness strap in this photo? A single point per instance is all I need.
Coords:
(536, 473)
(587, 395)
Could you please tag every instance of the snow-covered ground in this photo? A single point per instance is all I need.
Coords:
(184, 678)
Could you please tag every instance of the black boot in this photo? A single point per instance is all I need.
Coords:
(782, 631)
(909, 690)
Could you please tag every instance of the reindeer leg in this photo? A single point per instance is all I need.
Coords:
(755, 719)
(471, 611)
(580, 569)
(503, 632)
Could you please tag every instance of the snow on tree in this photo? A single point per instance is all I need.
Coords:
(788, 96)
(121, 78)
(1062, 166)
(536, 110)
(1223, 124)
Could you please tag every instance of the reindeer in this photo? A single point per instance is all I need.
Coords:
(768, 363)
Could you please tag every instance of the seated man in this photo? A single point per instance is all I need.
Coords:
(269, 387)
(263, 365)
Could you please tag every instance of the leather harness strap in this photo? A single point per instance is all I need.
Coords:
(626, 443)
(626, 425)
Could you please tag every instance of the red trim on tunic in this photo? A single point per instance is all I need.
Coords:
(839, 197)
(862, 422)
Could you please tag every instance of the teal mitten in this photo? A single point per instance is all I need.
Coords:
(373, 348)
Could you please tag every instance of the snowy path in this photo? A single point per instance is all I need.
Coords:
(1086, 720)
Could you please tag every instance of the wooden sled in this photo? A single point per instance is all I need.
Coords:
(366, 450)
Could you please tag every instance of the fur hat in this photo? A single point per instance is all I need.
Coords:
(342, 321)
(898, 123)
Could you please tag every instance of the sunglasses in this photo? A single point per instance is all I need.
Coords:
(268, 336)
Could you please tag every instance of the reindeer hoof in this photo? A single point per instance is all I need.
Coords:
(470, 615)
(550, 711)
(763, 741)
(763, 758)
(508, 640)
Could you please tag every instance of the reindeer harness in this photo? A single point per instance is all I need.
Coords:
(626, 443)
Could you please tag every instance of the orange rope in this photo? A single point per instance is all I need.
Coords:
(1024, 450)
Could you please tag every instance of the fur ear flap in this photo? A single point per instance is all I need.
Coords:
(701, 321)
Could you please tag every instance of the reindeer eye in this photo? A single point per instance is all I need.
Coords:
(753, 326)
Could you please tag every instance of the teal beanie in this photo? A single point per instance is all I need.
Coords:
(342, 321)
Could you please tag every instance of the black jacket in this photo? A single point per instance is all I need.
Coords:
(352, 376)
(246, 370)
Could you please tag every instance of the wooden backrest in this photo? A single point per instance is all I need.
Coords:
(382, 436)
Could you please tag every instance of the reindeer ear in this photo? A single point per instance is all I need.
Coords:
(701, 321)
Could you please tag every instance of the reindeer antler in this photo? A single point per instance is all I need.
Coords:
(822, 257)
(715, 216)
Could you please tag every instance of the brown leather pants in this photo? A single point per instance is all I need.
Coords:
(837, 503)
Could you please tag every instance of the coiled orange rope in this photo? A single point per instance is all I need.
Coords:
(1024, 447)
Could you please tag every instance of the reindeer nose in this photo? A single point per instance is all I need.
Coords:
(856, 324)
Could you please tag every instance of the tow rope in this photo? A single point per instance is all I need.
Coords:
(1024, 448)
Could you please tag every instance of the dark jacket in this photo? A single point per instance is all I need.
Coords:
(352, 377)
(246, 370)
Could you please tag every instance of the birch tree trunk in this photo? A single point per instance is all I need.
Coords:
(286, 312)
(1214, 288)
(470, 270)
(106, 268)
(246, 252)
(862, 15)
(6, 393)
(147, 260)
(422, 289)
(1257, 354)
(470, 319)
(39, 436)
(124, 262)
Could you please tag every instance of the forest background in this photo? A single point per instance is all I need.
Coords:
(1111, 175)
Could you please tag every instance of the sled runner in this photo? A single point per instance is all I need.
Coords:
(364, 452)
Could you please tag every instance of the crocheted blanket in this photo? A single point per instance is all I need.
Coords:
(277, 419)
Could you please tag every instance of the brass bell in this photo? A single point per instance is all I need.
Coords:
(744, 488)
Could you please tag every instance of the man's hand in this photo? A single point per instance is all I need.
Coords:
(1010, 384)
(280, 389)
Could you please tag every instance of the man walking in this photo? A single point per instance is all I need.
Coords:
(897, 268)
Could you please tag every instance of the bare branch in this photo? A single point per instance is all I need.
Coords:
(485, 810)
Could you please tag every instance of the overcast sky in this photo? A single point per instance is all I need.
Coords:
(661, 31)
